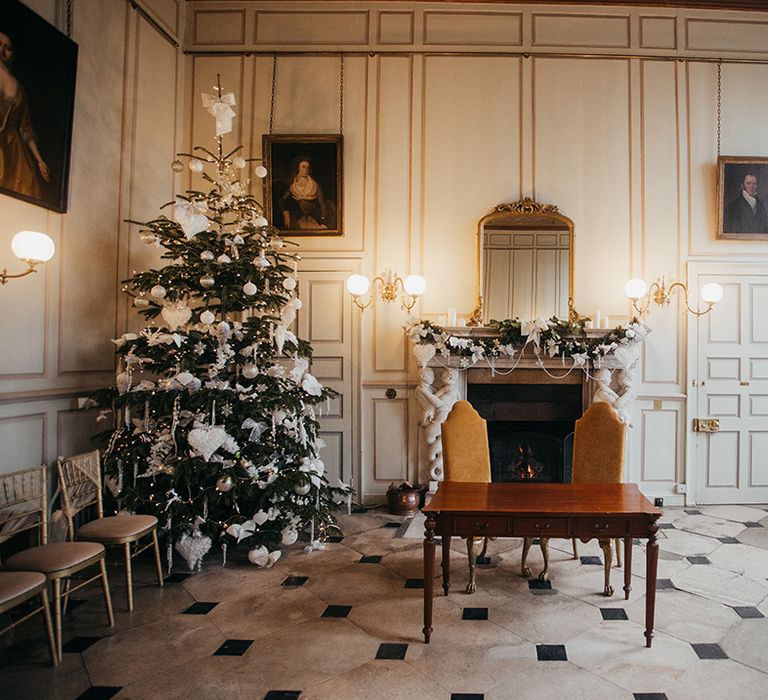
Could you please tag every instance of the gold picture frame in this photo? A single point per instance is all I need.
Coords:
(304, 183)
(742, 199)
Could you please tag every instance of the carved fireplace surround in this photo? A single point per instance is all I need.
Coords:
(530, 389)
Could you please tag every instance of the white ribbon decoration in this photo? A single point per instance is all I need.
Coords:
(191, 216)
(221, 110)
(241, 531)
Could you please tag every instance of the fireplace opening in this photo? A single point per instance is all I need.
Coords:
(530, 428)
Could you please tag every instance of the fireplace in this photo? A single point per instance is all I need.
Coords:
(530, 425)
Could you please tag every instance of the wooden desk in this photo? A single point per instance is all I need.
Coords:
(586, 511)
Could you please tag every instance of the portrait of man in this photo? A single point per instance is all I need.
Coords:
(38, 65)
(743, 198)
(303, 184)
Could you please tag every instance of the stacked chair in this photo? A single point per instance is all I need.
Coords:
(24, 507)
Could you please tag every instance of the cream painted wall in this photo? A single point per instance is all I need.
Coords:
(57, 324)
(451, 109)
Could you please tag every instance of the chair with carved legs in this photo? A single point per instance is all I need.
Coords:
(466, 457)
(24, 506)
(598, 458)
(80, 483)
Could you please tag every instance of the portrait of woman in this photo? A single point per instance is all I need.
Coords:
(22, 168)
(303, 204)
(38, 65)
(303, 184)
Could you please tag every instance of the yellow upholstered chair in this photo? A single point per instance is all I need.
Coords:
(467, 457)
(598, 458)
(24, 506)
(80, 483)
(17, 587)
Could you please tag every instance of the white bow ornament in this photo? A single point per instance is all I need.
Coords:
(191, 216)
(220, 108)
(241, 531)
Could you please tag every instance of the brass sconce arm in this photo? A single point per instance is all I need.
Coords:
(388, 286)
(661, 295)
(31, 267)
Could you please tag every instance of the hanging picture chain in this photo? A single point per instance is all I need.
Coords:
(719, 98)
(341, 94)
(274, 88)
(69, 18)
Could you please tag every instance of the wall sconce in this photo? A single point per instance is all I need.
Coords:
(641, 295)
(32, 248)
(390, 285)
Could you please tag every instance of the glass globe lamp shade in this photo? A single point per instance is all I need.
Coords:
(711, 292)
(415, 285)
(358, 285)
(33, 246)
(635, 289)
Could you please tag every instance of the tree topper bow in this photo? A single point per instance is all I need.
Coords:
(221, 109)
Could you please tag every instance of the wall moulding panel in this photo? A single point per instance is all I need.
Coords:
(496, 27)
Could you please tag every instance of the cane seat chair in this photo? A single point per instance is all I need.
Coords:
(24, 506)
(598, 458)
(16, 587)
(467, 457)
(80, 484)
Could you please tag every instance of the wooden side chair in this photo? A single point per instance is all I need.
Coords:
(598, 458)
(467, 457)
(80, 484)
(24, 506)
(17, 587)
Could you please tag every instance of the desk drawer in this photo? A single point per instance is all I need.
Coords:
(542, 527)
(601, 527)
(481, 525)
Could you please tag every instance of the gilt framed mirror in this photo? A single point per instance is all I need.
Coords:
(525, 263)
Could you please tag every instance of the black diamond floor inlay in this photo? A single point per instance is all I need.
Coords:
(649, 696)
(709, 651)
(76, 645)
(474, 614)
(664, 584)
(535, 584)
(176, 578)
(371, 559)
(282, 695)
(692, 511)
(467, 696)
(551, 652)
(100, 692)
(483, 561)
(698, 559)
(414, 583)
(728, 540)
(359, 509)
(337, 611)
(233, 647)
(748, 613)
(666, 526)
(591, 560)
(295, 581)
(335, 539)
(613, 613)
(392, 525)
(392, 651)
(200, 608)
(752, 524)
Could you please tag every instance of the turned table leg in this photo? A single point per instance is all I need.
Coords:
(429, 572)
(651, 564)
(627, 567)
(446, 563)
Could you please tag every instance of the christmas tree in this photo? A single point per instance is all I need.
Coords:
(215, 409)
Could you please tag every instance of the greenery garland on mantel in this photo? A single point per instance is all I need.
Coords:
(547, 338)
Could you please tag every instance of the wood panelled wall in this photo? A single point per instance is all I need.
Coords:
(452, 109)
(57, 324)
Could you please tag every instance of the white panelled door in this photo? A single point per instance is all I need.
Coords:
(732, 385)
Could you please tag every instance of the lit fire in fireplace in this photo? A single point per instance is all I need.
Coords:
(524, 466)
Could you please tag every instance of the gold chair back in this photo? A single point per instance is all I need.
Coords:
(598, 446)
(466, 456)
(80, 484)
(24, 503)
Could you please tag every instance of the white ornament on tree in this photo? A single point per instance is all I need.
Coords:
(207, 317)
(260, 171)
(176, 314)
(158, 291)
(249, 288)
(196, 165)
(262, 557)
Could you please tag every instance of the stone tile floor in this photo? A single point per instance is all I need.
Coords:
(346, 623)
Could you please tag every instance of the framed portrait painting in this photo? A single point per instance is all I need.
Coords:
(742, 198)
(38, 67)
(303, 186)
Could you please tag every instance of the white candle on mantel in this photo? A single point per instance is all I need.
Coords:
(598, 319)
(451, 316)
(606, 321)
(589, 324)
